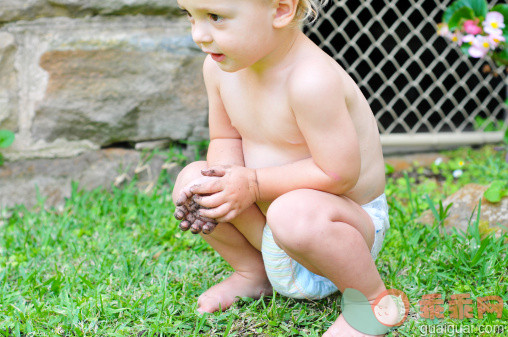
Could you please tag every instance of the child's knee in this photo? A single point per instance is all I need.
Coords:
(189, 173)
(290, 220)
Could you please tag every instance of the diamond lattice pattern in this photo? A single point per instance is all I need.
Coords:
(415, 81)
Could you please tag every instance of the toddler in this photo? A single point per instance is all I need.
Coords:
(294, 176)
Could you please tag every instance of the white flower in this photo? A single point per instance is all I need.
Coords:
(495, 40)
(444, 31)
(457, 173)
(438, 161)
(457, 37)
(469, 38)
(480, 46)
(494, 23)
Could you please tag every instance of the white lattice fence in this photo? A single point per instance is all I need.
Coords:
(423, 91)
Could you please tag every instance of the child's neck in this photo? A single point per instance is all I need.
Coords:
(278, 57)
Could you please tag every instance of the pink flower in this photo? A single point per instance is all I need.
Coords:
(471, 27)
(494, 23)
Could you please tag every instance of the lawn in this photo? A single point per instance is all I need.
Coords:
(116, 264)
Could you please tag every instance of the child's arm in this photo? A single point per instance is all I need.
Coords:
(225, 149)
(320, 109)
(225, 142)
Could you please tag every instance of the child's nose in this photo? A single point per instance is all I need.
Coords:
(200, 34)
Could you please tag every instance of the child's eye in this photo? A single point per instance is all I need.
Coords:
(215, 17)
(185, 12)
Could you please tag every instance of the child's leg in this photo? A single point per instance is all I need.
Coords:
(331, 236)
(249, 278)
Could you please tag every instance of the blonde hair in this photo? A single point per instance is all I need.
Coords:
(308, 10)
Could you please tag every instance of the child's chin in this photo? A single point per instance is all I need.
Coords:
(228, 67)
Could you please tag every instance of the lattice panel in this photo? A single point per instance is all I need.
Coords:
(415, 81)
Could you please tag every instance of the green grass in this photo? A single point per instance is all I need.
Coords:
(115, 264)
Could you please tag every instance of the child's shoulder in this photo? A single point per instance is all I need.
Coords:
(210, 69)
(315, 74)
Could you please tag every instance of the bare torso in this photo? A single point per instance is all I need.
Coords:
(259, 109)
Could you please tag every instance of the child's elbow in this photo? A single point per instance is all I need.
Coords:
(342, 183)
(343, 186)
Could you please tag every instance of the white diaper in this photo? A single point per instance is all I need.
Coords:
(291, 279)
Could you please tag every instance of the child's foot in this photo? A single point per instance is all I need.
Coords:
(221, 296)
(386, 311)
(341, 328)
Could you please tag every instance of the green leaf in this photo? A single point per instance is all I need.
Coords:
(499, 184)
(6, 138)
(496, 191)
(389, 169)
(503, 9)
(479, 252)
(479, 8)
(493, 195)
(465, 48)
(501, 57)
(505, 138)
(450, 10)
(464, 13)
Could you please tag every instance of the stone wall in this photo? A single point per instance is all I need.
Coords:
(79, 75)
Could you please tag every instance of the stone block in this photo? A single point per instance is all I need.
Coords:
(15, 10)
(8, 83)
(109, 79)
(19, 181)
(118, 7)
(12, 10)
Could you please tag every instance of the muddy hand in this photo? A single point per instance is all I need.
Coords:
(187, 209)
(197, 224)
(188, 213)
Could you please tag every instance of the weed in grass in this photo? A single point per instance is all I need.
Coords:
(441, 213)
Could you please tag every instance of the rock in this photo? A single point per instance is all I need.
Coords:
(19, 180)
(14, 10)
(103, 80)
(8, 82)
(6, 40)
(119, 7)
(109, 89)
(156, 144)
(42, 150)
(492, 217)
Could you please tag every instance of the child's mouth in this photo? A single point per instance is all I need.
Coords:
(218, 57)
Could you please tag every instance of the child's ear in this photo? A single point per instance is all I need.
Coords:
(285, 11)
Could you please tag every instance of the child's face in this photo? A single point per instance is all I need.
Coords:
(237, 33)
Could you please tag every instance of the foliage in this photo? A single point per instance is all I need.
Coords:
(478, 31)
(488, 125)
(496, 191)
(114, 263)
(6, 139)
(504, 147)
